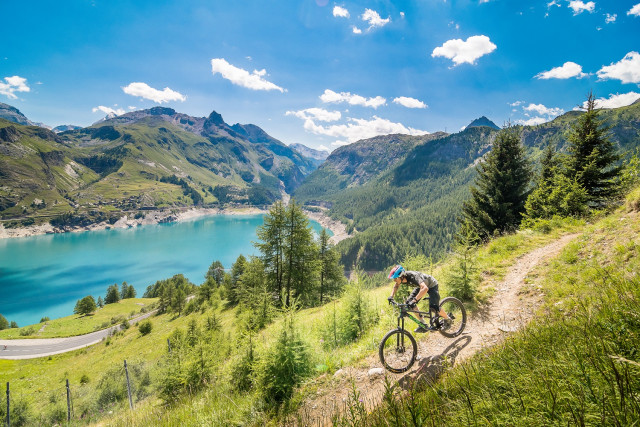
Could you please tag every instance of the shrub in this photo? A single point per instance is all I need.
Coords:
(25, 332)
(145, 327)
(125, 325)
(284, 365)
(84, 379)
(44, 319)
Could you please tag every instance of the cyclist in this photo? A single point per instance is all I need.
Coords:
(424, 284)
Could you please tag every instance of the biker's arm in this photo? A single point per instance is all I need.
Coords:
(395, 289)
(423, 290)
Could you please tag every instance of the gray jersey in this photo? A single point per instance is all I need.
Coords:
(416, 277)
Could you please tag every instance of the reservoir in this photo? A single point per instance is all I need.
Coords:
(46, 275)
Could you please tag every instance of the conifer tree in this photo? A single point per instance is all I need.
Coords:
(215, 272)
(299, 256)
(501, 188)
(592, 156)
(100, 302)
(4, 323)
(113, 295)
(331, 272)
(271, 246)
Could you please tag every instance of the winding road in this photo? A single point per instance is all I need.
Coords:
(41, 347)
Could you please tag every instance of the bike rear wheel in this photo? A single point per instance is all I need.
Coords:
(398, 351)
(458, 315)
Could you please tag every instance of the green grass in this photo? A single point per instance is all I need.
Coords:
(219, 404)
(78, 325)
(577, 363)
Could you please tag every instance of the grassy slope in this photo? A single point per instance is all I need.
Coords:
(78, 325)
(577, 363)
(33, 379)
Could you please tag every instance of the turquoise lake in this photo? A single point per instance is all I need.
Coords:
(45, 275)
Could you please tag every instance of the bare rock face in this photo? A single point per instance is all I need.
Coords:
(9, 134)
(375, 372)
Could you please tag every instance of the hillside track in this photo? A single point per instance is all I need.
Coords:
(42, 347)
(511, 307)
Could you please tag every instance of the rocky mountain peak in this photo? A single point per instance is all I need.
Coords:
(482, 121)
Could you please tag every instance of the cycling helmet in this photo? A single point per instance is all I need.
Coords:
(396, 272)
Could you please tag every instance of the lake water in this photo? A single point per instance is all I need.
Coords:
(46, 275)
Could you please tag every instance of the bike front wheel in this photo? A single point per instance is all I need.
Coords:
(398, 351)
(457, 317)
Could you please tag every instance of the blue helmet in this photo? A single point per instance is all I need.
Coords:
(396, 272)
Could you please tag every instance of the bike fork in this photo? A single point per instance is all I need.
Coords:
(400, 337)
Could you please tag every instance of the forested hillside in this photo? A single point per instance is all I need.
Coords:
(409, 202)
(147, 159)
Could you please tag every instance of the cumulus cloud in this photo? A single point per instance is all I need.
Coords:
(240, 77)
(534, 121)
(409, 102)
(610, 18)
(13, 84)
(566, 71)
(145, 91)
(578, 6)
(323, 148)
(627, 70)
(468, 51)
(544, 111)
(357, 129)
(635, 10)
(356, 30)
(316, 114)
(108, 110)
(616, 100)
(330, 96)
(373, 18)
(340, 12)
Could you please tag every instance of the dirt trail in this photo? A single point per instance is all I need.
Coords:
(509, 309)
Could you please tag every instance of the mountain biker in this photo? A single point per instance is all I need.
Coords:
(424, 284)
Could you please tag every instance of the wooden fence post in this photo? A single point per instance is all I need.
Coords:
(8, 407)
(126, 371)
(68, 402)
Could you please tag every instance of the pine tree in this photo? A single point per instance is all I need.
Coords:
(331, 272)
(216, 272)
(299, 255)
(4, 323)
(271, 246)
(113, 295)
(501, 188)
(100, 302)
(592, 156)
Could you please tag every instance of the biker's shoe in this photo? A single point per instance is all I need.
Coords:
(446, 323)
(438, 323)
(420, 330)
(451, 316)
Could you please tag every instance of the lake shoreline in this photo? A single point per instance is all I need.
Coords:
(164, 216)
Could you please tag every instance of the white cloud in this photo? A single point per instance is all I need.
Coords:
(544, 111)
(533, 121)
(131, 107)
(516, 104)
(468, 51)
(374, 19)
(553, 3)
(401, 14)
(409, 102)
(610, 18)
(316, 114)
(566, 71)
(627, 70)
(356, 30)
(635, 10)
(578, 6)
(13, 84)
(323, 148)
(340, 12)
(616, 101)
(334, 97)
(145, 91)
(241, 77)
(108, 110)
(358, 129)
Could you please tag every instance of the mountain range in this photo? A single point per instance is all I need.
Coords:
(397, 194)
(401, 195)
(155, 158)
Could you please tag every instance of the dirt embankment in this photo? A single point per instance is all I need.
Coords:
(511, 307)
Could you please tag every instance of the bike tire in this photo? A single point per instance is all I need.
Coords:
(454, 306)
(396, 353)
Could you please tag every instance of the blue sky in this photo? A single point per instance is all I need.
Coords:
(318, 72)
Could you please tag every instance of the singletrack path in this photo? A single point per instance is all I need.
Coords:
(509, 309)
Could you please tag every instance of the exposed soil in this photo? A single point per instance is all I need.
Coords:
(511, 307)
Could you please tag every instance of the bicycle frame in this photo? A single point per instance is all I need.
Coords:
(405, 312)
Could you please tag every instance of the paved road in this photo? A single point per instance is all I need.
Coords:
(41, 347)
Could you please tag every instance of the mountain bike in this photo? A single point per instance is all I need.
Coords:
(398, 348)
